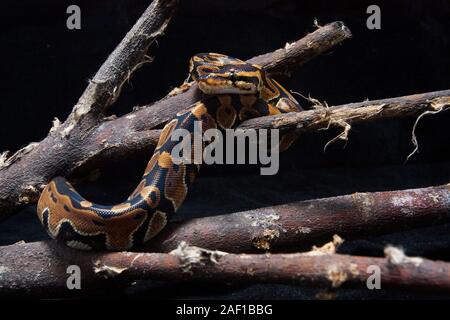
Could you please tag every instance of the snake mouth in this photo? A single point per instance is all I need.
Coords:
(219, 85)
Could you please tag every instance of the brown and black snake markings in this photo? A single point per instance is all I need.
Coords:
(234, 91)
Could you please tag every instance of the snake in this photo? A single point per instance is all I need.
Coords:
(232, 91)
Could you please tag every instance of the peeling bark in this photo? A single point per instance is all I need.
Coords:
(353, 113)
(45, 275)
(40, 268)
(299, 225)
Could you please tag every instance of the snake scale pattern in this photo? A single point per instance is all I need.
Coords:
(233, 92)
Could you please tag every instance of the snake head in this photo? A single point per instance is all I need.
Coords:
(220, 74)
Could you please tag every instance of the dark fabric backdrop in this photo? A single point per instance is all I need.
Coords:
(45, 68)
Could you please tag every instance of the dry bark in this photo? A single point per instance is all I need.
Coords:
(87, 138)
(45, 270)
(345, 115)
(40, 268)
(130, 134)
(299, 225)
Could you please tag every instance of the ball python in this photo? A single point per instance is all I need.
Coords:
(233, 91)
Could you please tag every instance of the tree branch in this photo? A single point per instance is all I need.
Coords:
(280, 228)
(126, 58)
(23, 175)
(45, 273)
(299, 225)
(86, 139)
(320, 118)
(295, 54)
(112, 139)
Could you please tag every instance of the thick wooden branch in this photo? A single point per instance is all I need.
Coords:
(86, 139)
(23, 175)
(320, 118)
(127, 57)
(41, 267)
(299, 225)
(282, 61)
(112, 138)
(45, 271)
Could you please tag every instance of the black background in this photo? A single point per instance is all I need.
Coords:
(45, 67)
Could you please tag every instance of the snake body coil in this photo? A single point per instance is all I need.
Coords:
(234, 91)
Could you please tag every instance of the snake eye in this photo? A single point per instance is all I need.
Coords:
(232, 75)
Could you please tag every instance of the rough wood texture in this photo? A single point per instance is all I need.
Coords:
(40, 268)
(45, 272)
(282, 61)
(129, 55)
(354, 112)
(86, 138)
(299, 225)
